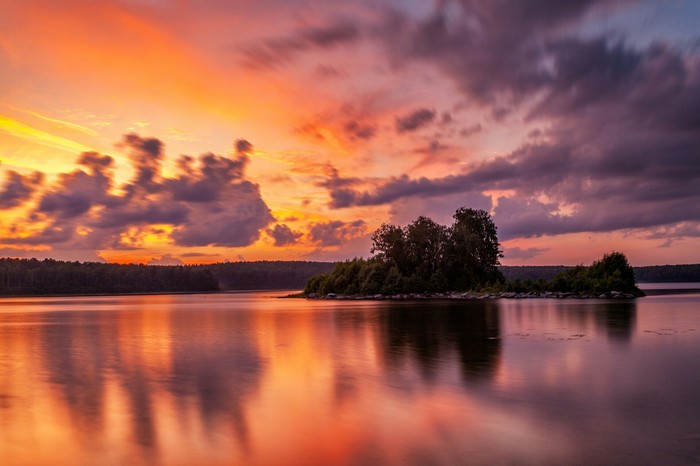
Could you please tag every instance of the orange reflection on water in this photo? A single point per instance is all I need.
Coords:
(208, 378)
(251, 380)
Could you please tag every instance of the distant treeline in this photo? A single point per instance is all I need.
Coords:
(266, 275)
(42, 277)
(531, 272)
(24, 277)
(668, 273)
(646, 274)
(34, 277)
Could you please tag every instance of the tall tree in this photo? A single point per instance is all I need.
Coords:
(473, 251)
(389, 246)
(425, 247)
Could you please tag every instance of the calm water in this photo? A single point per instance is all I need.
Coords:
(245, 379)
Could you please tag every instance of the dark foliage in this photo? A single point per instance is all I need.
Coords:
(266, 275)
(35, 277)
(668, 273)
(23, 277)
(421, 257)
(645, 274)
(531, 272)
(611, 273)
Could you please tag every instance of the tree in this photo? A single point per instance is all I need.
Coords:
(613, 272)
(425, 245)
(389, 245)
(423, 256)
(473, 250)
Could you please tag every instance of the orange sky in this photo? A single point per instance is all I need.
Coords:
(355, 114)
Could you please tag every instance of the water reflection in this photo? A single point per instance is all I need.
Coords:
(619, 318)
(149, 365)
(219, 371)
(247, 380)
(429, 332)
(76, 352)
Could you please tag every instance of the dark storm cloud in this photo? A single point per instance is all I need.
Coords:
(621, 148)
(415, 120)
(284, 49)
(283, 235)
(493, 50)
(17, 188)
(623, 181)
(336, 232)
(209, 201)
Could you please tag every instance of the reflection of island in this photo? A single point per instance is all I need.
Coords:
(141, 365)
(429, 332)
(618, 319)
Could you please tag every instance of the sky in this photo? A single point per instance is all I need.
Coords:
(183, 131)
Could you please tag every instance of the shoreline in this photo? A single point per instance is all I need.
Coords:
(472, 296)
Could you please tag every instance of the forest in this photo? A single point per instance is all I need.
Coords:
(21, 277)
(25, 277)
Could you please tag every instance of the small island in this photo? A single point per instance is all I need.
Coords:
(427, 260)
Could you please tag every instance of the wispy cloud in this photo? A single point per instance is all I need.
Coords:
(31, 134)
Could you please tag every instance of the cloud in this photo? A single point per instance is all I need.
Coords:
(271, 52)
(77, 192)
(17, 189)
(208, 202)
(414, 120)
(519, 253)
(493, 51)
(243, 147)
(283, 235)
(359, 131)
(621, 181)
(617, 144)
(336, 232)
(146, 155)
(206, 182)
(166, 259)
(81, 255)
(439, 208)
(470, 130)
(234, 221)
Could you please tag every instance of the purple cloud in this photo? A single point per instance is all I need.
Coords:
(283, 235)
(284, 49)
(17, 188)
(209, 202)
(415, 120)
(336, 232)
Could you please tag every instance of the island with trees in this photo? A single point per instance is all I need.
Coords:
(426, 259)
(421, 259)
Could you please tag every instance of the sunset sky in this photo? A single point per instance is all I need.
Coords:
(183, 131)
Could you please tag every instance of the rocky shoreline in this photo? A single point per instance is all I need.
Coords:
(476, 296)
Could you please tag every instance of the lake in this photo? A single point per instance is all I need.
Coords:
(248, 379)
